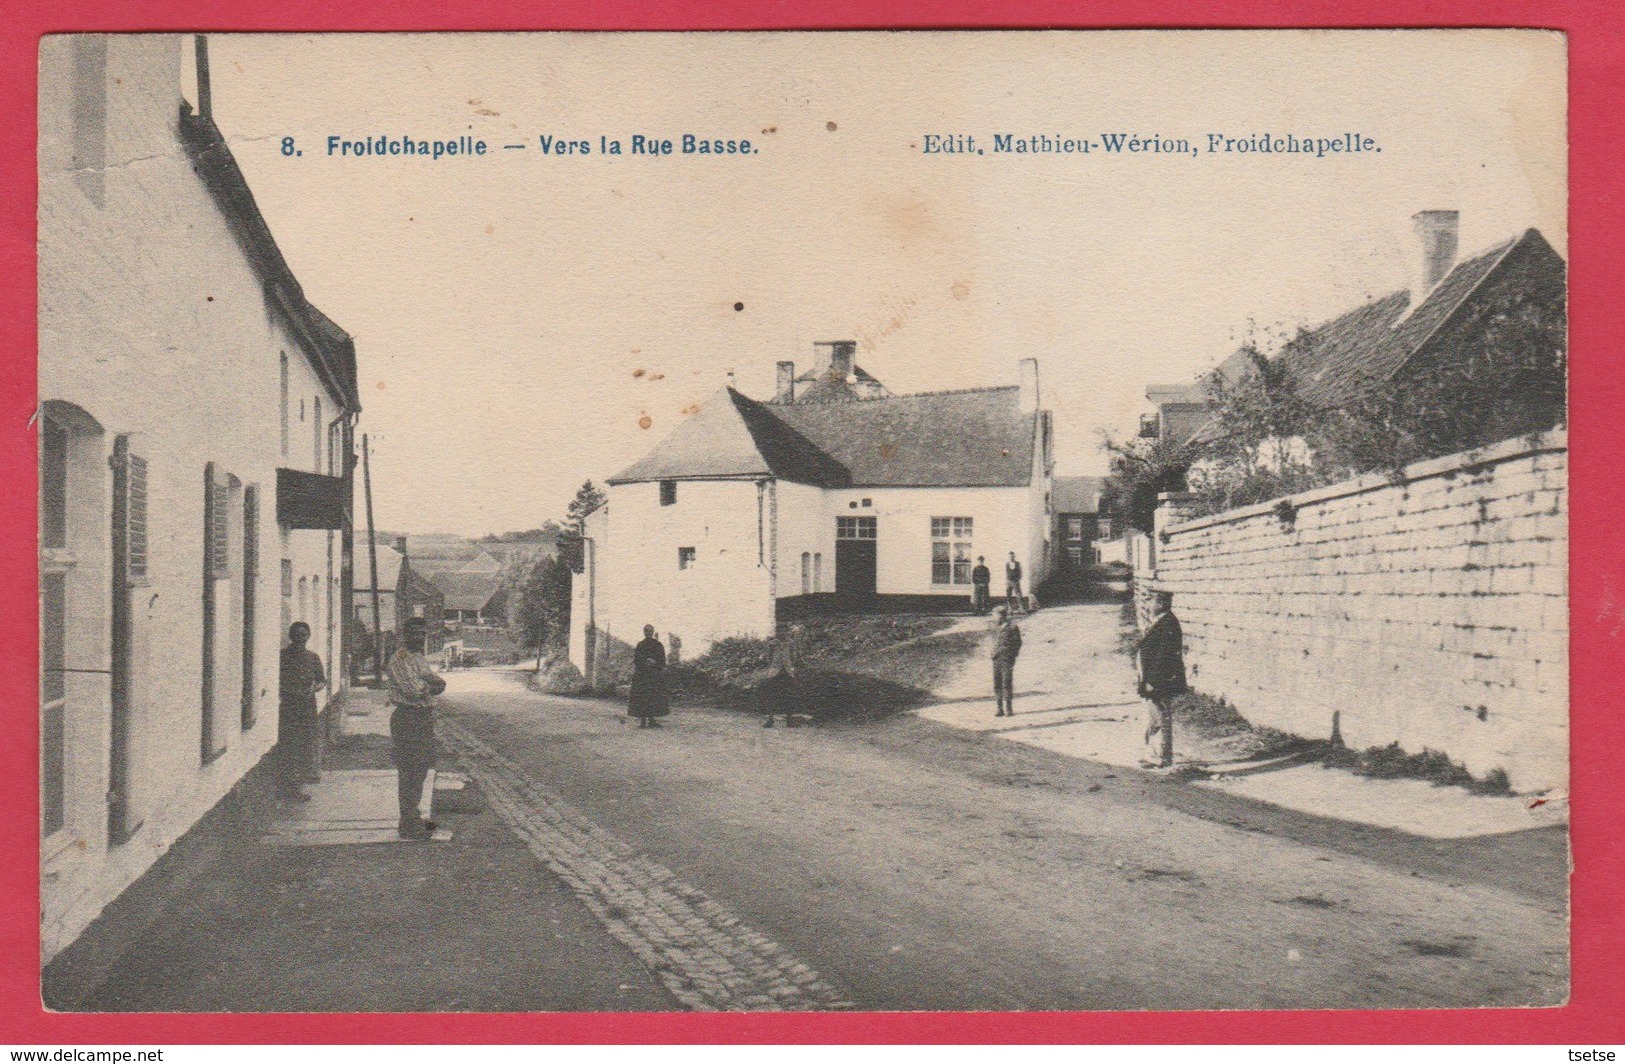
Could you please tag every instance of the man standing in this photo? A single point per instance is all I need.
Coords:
(301, 676)
(1161, 660)
(413, 686)
(980, 581)
(1006, 648)
(648, 700)
(1012, 583)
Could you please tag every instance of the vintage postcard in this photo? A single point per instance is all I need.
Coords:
(1086, 512)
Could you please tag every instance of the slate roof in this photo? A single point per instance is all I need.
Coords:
(973, 438)
(466, 591)
(1340, 359)
(1077, 495)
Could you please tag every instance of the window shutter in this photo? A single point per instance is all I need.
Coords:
(217, 524)
(135, 535)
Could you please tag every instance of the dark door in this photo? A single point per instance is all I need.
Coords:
(855, 557)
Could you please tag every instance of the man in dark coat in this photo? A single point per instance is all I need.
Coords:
(413, 686)
(301, 676)
(1006, 648)
(648, 701)
(1160, 657)
(980, 580)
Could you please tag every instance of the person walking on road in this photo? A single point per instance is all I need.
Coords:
(301, 676)
(649, 699)
(1006, 648)
(1012, 583)
(783, 691)
(980, 581)
(412, 685)
(1160, 658)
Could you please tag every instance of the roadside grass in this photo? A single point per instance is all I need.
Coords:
(1390, 763)
(850, 669)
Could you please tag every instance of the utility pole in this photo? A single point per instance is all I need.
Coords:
(372, 561)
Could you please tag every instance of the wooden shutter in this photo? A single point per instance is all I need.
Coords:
(251, 574)
(217, 524)
(130, 508)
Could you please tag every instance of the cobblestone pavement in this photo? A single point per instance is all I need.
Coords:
(707, 957)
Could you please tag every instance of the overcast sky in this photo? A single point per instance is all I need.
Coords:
(504, 307)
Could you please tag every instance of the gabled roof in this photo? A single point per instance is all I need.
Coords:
(1340, 359)
(466, 591)
(974, 438)
(731, 436)
(1077, 495)
(389, 570)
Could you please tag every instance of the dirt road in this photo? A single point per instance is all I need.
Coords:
(911, 865)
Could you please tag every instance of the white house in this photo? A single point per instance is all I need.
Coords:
(195, 427)
(842, 495)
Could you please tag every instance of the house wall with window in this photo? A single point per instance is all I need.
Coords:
(697, 567)
(160, 375)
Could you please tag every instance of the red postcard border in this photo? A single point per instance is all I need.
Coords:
(1596, 36)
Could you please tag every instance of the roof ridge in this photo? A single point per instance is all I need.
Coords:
(911, 395)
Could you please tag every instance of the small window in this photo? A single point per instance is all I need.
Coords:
(818, 573)
(854, 528)
(951, 550)
(868, 502)
(668, 492)
(316, 438)
(685, 557)
(1149, 427)
(806, 573)
(287, 578)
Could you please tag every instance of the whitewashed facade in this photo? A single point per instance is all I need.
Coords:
(732, 521)
(179, 370)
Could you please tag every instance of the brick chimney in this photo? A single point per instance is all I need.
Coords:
(787, 383)
(1029, 386)
(1437, 233)
(837, 365)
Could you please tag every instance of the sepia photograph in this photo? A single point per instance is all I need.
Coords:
(1133, 464)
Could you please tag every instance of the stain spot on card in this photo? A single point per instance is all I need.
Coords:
(691, 408)
(770, 129)
(739, 306)
(830, 126)
(638, 373)
(380, 385)
(645, 421)
(960, 289)
(486, 111)
(490, 229)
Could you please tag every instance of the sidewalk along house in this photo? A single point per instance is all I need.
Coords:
(839, 495)
(195, 425)
(1078, 522)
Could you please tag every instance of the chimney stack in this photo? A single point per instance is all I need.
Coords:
(400, 546)
(1437, 233)
(205, 106)
(1029, 386)
(787, 383)
(838, 366)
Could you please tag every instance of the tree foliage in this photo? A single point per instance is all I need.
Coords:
(588, 498)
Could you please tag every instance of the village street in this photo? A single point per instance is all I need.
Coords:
(912, 865)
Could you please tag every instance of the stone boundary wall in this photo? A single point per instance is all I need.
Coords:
(1430, 609)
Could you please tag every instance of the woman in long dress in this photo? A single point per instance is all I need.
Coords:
(648, 701)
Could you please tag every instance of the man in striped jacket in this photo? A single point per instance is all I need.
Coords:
(413, 686)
